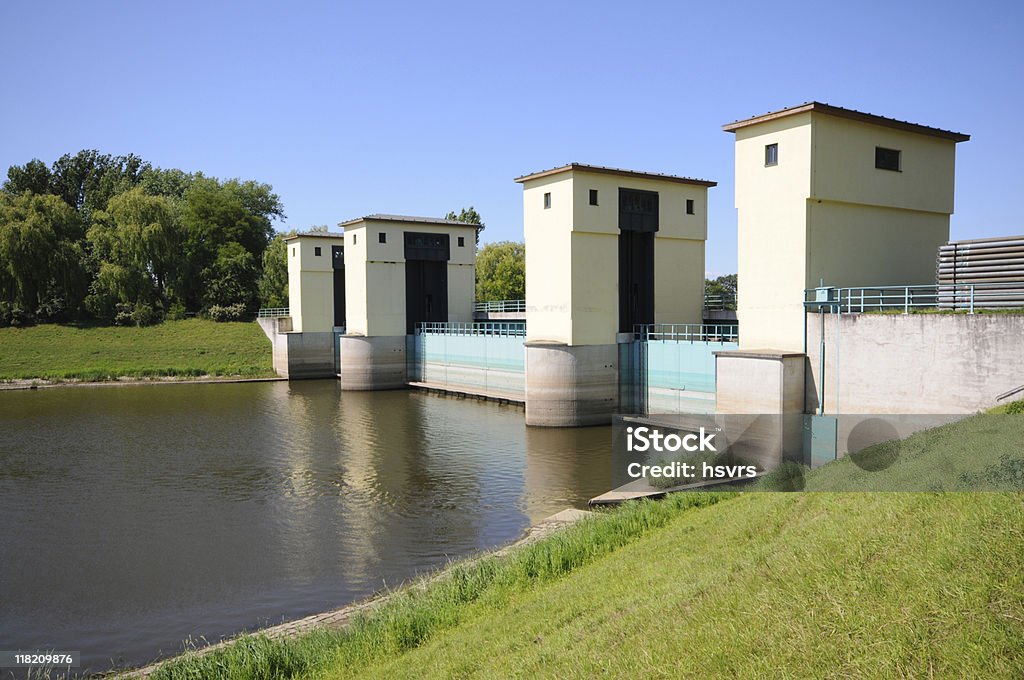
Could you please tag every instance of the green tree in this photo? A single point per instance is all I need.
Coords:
(135, 246)
(40, 255)
(469, 216)
(724, 286)
(214, 217)
(501, 271)
(273, 282)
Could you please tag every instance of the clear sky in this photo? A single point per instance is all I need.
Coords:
(419, 108)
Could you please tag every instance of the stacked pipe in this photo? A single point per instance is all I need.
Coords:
(987, 272)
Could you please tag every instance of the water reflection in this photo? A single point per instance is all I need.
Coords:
(135, 517)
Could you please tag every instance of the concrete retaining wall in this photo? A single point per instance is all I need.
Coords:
(917, 363)
(299, 355)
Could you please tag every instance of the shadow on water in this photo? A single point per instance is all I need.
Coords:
(136, 517)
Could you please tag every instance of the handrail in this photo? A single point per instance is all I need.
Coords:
(719, 302)
(271, 312)
(500, 306)
(968, 297)
(687, 332)
(463, 328)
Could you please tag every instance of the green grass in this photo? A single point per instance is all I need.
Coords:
(939, 310)
(705, 585)
(186, 348)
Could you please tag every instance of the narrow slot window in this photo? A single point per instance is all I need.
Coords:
(771, 154)
(547, 200)
(593, 197)
(689, 206)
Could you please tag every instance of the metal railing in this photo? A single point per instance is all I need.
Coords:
(719, 303)
(967, 297)
(500, 306)
(687, 332)
(271, 312)
(491, 328)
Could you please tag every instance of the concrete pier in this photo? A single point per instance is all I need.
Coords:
(299, 355)
(372, 363)
(571, 386)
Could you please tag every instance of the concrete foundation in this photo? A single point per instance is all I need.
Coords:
(299, 355)
(768, 387)
(570, 386)
(372, 363)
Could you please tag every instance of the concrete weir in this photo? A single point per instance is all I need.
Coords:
(570, 386)
(372, 363)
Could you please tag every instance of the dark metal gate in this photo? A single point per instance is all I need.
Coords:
(426, 278)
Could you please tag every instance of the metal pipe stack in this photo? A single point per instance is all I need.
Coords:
(983, 273)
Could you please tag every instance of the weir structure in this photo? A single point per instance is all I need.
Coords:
(304, 335)
(615, 320)
(400, 271)
(607, 251)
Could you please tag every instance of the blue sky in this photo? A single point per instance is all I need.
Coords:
(419, 108)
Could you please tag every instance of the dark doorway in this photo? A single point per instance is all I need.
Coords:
(426, 278)
(638, 222)
(338, 263)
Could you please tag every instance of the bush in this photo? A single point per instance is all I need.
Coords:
(235, 312)
(13, 315)
(1015, 407)
(138, 314)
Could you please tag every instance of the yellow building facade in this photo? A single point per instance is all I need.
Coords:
(312, 261)
(826, 194)
(606, 250)
(571, 227)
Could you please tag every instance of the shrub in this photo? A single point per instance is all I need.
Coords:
(13, 315)
(235, 312)
(138, 314)
(1015, 407)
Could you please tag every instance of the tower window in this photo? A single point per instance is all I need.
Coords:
(382, 237)
(293, 251)
(689, 206)
(462, 241)
(887, 159)
(316, 251)
(547, 200)
(354, 237)
(593, 197)
(771, 154)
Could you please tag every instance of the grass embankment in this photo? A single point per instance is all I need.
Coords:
(708, 585)
(188, 348)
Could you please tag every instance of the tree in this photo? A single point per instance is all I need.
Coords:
(501, 271)
(40, 254)
(135, 247)
(273, 283)
(469, 216)
(724, 286)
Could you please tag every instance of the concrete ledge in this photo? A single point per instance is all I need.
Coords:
(443, 390)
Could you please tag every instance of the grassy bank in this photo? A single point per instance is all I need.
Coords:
(708, 585)
(187, 348)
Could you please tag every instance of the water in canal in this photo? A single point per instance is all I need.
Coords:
(133, 518)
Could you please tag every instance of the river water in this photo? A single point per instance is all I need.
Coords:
(133, 518)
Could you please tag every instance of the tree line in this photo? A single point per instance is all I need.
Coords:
(114, 239)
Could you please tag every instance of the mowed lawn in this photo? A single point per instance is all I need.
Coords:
(193, 347)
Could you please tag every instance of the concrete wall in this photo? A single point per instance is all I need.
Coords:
(300, 355)
(375, 275)
(917, 363)
(572, 255)
(311, 282)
